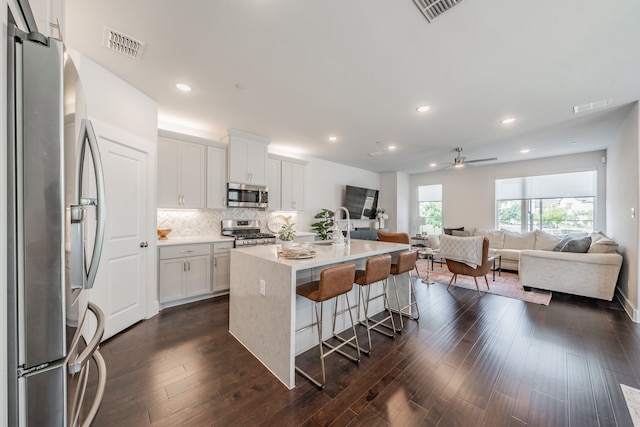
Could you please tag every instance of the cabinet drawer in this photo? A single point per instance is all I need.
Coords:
(180, 251)
(222, 248)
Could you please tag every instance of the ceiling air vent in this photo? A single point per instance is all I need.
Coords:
(123, 44)
(431, 9)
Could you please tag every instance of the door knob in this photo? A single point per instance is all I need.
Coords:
(144, 244)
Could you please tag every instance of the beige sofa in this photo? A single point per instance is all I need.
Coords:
(593, 274)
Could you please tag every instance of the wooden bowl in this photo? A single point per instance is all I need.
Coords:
(163, 233)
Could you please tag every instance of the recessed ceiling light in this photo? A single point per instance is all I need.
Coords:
(375, 154)
(422, 108)
(524, 150)
(507, 121)
(183, 87)
(391, 147)
(333, 138)
(433, 164)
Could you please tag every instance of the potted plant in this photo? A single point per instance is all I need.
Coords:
(287, 234)
(324, 223)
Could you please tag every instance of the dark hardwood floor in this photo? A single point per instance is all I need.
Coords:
(469, 361)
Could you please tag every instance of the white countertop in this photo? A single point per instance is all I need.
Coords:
(325, 254)
(194, 239)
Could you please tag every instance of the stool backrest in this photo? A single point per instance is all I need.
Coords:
(377, 269)
(336, 281)
(393, 237)
(406, 262)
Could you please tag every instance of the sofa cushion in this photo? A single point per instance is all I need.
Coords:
(561, 243)
(450, 230)
(509, 254)
(495, 237)
(601, 243)
(519, 240)
(460, 233)
(577, 245)
(546, 241)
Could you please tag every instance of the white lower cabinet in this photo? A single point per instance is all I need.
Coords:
(184, 272)
(222, 266)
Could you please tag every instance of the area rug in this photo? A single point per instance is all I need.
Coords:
(507, 284)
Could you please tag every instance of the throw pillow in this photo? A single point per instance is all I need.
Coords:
(561, 243)
(577, 245)
(450, 230)
(601, 243)
(459, 233)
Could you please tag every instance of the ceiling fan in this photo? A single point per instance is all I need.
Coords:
(460, 161)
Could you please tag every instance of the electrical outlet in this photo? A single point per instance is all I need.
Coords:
(263, 287)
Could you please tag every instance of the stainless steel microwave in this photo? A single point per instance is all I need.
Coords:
(247, 196)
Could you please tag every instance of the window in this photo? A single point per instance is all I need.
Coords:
(559, 203)
(430, 208)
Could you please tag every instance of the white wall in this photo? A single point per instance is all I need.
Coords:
(114, 101)
(395, 198)
(623, 190)
(325, 185)
(468, 194)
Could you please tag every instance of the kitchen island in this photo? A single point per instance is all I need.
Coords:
(264, 311)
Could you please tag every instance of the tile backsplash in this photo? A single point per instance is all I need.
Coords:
(206, 222)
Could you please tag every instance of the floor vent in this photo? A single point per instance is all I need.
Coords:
(123, 44)
(431, 9)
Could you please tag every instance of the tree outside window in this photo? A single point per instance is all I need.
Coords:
(430, 207)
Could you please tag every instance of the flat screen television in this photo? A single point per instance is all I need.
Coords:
(361, 203)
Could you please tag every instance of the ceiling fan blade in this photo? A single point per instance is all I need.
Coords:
(482, 160)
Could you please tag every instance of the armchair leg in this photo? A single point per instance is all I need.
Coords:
(475, 279)
(487, 282)
(453, 280)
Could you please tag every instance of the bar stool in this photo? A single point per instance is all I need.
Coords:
(376, 270)
(334, 282)
(405, 263)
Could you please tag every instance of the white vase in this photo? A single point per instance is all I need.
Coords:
(381, 222)
(287, 244)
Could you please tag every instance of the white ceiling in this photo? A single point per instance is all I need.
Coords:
(298, 71)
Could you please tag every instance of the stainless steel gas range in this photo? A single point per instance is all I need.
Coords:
(246, 232)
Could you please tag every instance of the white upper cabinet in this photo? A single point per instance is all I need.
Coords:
(181, 174)
(286, 180)
(216, 177)
(247, 154)
(274, 169)
(292, 190)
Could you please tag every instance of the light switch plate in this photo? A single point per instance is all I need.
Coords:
(263, 287)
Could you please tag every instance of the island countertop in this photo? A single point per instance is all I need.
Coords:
(325, 254)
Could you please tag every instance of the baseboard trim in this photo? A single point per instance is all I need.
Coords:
(631, 311)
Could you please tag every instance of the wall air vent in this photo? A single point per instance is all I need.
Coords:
(591, 106)
(431, 9)
(123, 44)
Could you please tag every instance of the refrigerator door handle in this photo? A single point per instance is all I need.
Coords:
(76, 408)
(88, 137)
(77, 364)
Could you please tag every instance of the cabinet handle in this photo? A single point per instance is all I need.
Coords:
(144, 244)
(184, 266)
(186, 252)
(215, 262)
(189, 265)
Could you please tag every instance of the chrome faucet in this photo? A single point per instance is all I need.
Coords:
(335, 220)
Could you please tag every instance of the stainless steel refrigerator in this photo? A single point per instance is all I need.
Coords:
(50, 361)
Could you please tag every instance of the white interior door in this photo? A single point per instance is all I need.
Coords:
(123, 276)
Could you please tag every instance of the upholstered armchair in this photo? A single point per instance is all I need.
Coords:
(457, 267)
